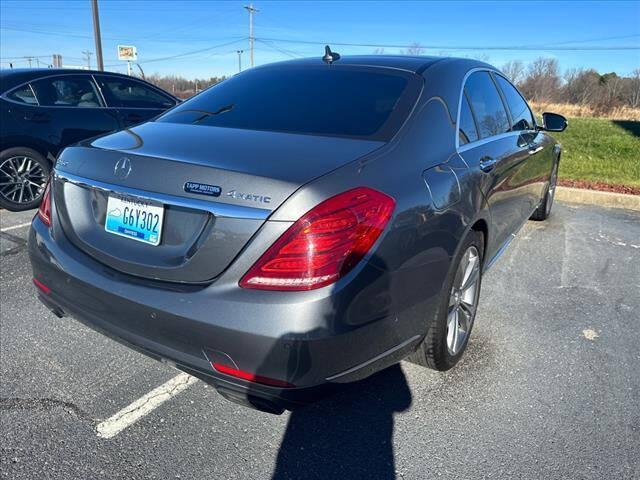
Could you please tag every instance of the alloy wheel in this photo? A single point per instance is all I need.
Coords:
(22, 179)
(463, 300)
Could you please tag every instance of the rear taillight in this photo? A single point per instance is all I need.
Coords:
(44, 212)
(250, 377)
(323, 245)
(41, 286)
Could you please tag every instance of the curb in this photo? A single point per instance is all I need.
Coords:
(595, 197)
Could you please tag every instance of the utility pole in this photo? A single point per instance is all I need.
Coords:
(96, 34)
(87, 54)
(240, 52)
(251, 11)
(29, 59)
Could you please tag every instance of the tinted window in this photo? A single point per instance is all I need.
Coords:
(520, 113)
(467, 129)
(23, 95)
(487, 105)
(326, 100)
(68, 91)
(121, 92)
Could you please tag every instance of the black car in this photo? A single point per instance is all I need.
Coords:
(44, 110)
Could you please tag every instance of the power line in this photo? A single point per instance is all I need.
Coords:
(286, 52)
(457, 47)
(185, 54)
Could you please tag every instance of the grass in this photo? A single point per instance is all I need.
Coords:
(600, 150)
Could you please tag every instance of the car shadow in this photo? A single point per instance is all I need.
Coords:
(348, 435)
(633, 127)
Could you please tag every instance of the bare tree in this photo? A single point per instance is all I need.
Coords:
(581, 86)
(542, 81)
(514, 70)
(414, 49)
(379, 51)
(180, 86)
(631, 92)
(611, 88)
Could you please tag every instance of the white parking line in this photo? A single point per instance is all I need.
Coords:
(15, 227)
(144, 405)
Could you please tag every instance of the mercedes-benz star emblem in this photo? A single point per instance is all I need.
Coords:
(122, 168)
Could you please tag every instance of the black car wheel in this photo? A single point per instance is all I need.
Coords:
(23, 176)
(449, 333)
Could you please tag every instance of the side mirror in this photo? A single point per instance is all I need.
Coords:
(552, 122)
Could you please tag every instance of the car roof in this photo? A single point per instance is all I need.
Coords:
(411, 63)
(12, 77)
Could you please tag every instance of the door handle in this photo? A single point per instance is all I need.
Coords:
(487, 164)
(533, 148)
(36, 117)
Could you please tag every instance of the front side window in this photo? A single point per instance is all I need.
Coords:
(23, 94)
(355, 102)
(467, 128)
(487, 106)
(520, 113)
(123, 93)
(68, 91)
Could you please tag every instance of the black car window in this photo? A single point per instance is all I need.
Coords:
(467, 128)
(123, 93)
(67, 91)
(331, 100)
(23, 94)
(520, 112)
(487, 105)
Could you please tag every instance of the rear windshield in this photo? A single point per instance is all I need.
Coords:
(328, 100)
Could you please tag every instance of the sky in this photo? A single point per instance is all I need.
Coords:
(201, 38)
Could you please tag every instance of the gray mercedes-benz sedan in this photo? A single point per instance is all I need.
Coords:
(299, 225)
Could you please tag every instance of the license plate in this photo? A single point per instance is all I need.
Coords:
(134, 218)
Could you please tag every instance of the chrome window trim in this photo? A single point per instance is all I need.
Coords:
(4, 95)
(483, 141)
(144, 84)
(480, 141)
(104, 100)
(535, 123)
(34, 94)
(215, 208)
(92, 75)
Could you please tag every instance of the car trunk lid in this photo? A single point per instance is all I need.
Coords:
(217, 187)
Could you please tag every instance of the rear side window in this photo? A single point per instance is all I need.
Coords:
(467, 128)
(487, 106)
(324, 100)
(23, 94)
(520, 113)
(123, 93)
(68, 91)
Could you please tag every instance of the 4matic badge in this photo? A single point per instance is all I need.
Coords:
(250, 197)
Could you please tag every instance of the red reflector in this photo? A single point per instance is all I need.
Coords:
(41, 286)
(325, 244)
(44, 212)
(250, 376)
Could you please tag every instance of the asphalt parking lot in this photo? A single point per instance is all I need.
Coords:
(549, 387)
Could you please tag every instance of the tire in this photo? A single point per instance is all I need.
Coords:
(544, 209)
(436, 350)
(23, 176)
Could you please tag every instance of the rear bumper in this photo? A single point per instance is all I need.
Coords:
(313, 342)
